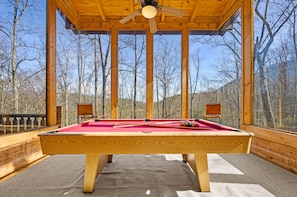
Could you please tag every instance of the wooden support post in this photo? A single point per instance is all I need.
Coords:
(114, 74)
(51, 63)
(247, 18)
(149, 75)
(185, 74)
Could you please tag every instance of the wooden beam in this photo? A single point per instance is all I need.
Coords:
(162, 15)
(114, 73)
(194, 12)
(229, 12)
(100, 10)
(185, 74)
(149, 75)
(247, 49)
(51, 115)
(88, 23)
(132, 8)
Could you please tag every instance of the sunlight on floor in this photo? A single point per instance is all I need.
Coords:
(229, 190)
(217, 164)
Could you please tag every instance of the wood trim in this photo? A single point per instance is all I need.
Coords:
(149, 75)
(247, 49)
(51, 115)
(185, 74)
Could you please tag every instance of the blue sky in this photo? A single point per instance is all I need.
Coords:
(37, 22)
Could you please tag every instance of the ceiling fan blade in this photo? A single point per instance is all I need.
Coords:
(153, 25)
(172, 11)
(130, 16)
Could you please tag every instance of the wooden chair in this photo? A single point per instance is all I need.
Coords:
(84, 111)
(213, 110)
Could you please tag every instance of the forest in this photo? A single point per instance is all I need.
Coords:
(83, 68)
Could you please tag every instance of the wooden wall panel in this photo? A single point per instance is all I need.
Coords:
(19, 155)
(19, 150)
(277, 147)
(280, 158)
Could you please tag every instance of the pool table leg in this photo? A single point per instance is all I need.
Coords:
(91, 168)
(185, 157)
(202, 171)
(110, 158)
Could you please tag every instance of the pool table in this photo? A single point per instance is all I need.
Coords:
(101, 138)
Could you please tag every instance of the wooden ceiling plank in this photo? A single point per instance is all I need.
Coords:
(99, 6)
(199, 14)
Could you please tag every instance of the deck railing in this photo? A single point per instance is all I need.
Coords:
(12, 123)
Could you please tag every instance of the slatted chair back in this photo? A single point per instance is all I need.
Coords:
(84, 111)
(213, 110)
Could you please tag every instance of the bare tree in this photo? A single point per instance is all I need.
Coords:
(4, 74)
(293, 35)
(80, 70)
(135, 47)
(64, 68)
(271, 25)
(19, 8)
(193, 78)
(166, 67)
(18, 31)
(104, 56)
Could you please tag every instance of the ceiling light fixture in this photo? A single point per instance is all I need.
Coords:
(149, 11)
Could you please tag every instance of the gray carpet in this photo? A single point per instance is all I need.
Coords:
(153, 175)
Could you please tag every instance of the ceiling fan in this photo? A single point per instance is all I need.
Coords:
(149, 10)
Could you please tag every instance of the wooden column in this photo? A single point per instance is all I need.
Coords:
(51, 63)
(114, 74)
(149, 75)
(247, 18)
(185, 74)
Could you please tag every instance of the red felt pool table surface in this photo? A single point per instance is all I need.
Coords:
(146, 126)
(98, 139)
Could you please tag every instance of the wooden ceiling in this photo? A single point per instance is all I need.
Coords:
(103, 15)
